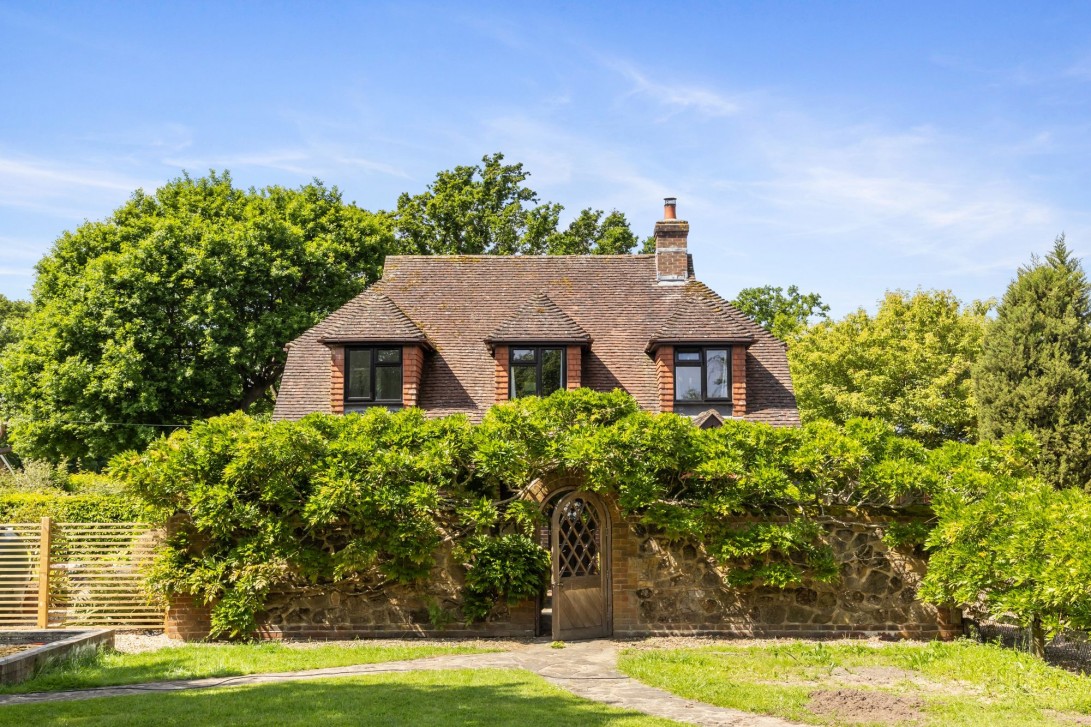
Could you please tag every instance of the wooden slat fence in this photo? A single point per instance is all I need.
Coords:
(90, 577)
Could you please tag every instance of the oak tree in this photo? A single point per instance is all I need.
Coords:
(176, 308)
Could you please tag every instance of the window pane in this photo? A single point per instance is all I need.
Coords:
(522, 355)
(688, 356)
(523, 381)
(358, 372)
(388, 383)
(551, 370)
(389, 355)
(717, 374)
(687, 383)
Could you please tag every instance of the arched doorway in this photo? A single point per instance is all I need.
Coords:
(580, 544)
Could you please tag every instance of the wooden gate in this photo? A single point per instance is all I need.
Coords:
(76, 574)
(581, 568)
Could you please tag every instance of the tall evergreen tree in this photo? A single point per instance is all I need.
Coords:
(1034, 374)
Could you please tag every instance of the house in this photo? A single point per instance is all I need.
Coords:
(458, 334)
(461, 333)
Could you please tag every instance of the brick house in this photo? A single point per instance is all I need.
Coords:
(458, 334)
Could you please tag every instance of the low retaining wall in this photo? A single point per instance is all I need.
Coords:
(57, 644)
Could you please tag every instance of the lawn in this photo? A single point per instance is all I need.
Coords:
(194, 661)
(463, 697)
(959, 683)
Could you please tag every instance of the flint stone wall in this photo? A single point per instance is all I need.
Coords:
(660, 587)
(353, 610)
(664, 587)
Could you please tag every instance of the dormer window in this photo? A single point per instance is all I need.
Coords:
(702, 374)
(373, 375)
(536, 370)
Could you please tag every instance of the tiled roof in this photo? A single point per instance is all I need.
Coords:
(371, 316)
(701, 316)
(539, 320)
(459, 301)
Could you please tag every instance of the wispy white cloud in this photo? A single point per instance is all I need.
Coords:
(305, 161)
(17, 172)
(150, 139)
(65, 190)
(675, 97)
(910, 192)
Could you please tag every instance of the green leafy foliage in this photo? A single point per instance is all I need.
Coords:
(908, 365)
(511, 567)
(37, 475)
(1007, 543)
(12, 312)
(784, 313)
(176, 308)
(487, 209)
(63, 507)
(263, 505)
(906, 536)
(1034, 374)
(369, 498)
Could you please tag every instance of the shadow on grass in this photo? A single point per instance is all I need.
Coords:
(463, 697)
(94, 669)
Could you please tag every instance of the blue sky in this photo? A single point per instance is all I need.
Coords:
(847, 148)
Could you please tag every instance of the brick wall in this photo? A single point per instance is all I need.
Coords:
(738, 381)
(574, 366)
(337, 379)
(500, 354)
(412, 367)
(664, 377)
(187, 621)
(671, 255)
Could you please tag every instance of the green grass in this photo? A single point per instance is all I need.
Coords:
(960, 683)
(464, 697)
(194, 661)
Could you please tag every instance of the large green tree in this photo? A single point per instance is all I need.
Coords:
(12, 312)
(487, 209)
(1035, 370)
(177, 308)
(784, 313)
(1006, 543)
(909, 364)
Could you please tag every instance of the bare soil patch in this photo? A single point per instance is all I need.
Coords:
(867, 707)
(9, 650)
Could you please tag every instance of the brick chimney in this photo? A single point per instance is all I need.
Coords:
(671, 256)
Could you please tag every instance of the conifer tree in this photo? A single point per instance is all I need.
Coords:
(1034, 374)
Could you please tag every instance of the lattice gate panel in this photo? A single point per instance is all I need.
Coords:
(20, 544)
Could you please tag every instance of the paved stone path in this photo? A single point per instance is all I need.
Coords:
(587, 669)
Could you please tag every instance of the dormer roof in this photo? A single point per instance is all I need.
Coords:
(373, 318)
(700, 317)
(539, 320)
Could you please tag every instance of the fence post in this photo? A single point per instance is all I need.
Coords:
(43, 573)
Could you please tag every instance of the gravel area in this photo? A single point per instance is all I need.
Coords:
(135, 642)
